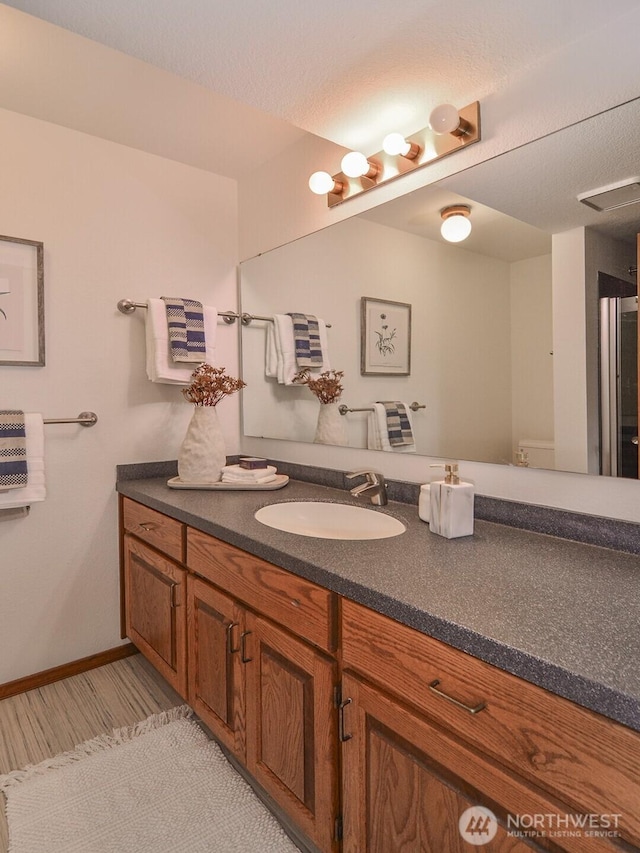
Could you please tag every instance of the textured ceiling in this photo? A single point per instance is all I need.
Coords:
(346, 71)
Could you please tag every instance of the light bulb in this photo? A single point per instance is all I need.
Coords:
(355, 165)
(321, 183)
(444, 119)
(395, 143)
(456, 228)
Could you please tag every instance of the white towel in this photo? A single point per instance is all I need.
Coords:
(245, 481)
(35, 490)
(377, 436)
(160, 365)
(281, 350)
(248, 474)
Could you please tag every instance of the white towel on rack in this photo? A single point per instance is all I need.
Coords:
(35, 490)
(281, 350)
(160, 365)
(377, 435)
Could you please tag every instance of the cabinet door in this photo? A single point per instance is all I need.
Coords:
(407, 785)
(291, 723)
(215, 624)
(155, 615)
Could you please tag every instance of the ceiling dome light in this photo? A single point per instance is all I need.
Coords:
(446, 119)
(456, 225)
(355, 165)
(395, 143)
(322, 183)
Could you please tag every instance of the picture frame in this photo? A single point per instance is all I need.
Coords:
(385, 337)
(21, 302)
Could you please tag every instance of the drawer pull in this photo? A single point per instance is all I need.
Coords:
(243, 647)
(341, 734)
(230, 649)
(475, 710)
(149, 525)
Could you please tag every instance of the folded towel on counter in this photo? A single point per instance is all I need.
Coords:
(13, 449)
(160, 366)
(35, 490)
(280, 357)
(378, 434)
(185, 322)
(248, 476)
(306, 336)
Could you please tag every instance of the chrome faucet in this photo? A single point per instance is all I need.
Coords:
(374, 487)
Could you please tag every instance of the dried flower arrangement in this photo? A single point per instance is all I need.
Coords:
(210, 384)
(326, 386)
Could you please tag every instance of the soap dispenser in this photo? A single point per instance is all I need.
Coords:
(451, 504)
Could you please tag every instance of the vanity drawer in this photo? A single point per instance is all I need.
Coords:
(300, 605)
(591, 763)
(164, 533)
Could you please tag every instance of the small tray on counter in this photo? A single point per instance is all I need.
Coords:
(280, 481)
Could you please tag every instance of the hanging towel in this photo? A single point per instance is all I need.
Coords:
(306, 336)
(13, 449)
(281, 349)
(160, 366)
(398, 426)
(377, 431)
(185, 321)
(35, 490)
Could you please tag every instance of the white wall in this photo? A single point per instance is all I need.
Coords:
(115, 223)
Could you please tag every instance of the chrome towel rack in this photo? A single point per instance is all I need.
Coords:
(127, 306)
(345, 409)
(86, 419)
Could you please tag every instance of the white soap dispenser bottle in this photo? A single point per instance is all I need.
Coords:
(451, 504)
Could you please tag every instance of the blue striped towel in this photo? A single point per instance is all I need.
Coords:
(306, 335)
(185, 319)
(13, 450)
(398, 424)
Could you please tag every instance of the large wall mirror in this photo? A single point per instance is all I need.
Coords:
(523, 337)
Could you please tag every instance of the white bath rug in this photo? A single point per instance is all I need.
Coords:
(158, 787)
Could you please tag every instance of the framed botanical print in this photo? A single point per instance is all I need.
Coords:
(385, 337)
(21, 302)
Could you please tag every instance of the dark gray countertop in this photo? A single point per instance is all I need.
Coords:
(562, 615)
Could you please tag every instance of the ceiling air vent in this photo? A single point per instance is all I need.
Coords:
(613, 196)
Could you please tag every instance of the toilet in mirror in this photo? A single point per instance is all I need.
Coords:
(523, 336)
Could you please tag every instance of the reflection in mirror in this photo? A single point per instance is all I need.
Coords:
(505, 326)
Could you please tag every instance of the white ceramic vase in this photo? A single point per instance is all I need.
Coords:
(331, 427)
(202, 454)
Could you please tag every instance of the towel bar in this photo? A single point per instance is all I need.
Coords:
(9, 513)
(86, 419)
(127, 306)
(345, 409)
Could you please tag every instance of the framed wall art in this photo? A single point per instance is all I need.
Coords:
(385, 337)
(21, 302)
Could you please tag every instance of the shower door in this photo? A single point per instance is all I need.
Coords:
(619, 386)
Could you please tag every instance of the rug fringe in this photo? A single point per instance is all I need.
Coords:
(96, 744)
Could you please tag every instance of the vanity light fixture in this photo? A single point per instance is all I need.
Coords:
(449, 130)
(456, 225)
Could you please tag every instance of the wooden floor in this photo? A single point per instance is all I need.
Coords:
(41, 723)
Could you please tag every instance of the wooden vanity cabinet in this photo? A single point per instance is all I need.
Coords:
(259, 683)
(427, 729)
(155, 618)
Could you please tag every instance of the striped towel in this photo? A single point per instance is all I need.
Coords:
(306, 334)
(185, 320)
(13, 450)
(398, 424)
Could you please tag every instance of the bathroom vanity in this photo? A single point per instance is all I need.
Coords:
(375, 690)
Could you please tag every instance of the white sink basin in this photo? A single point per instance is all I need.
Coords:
(329, 520)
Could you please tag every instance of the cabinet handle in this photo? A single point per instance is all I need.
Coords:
(230, 649)
(342, 737)
(475, 710)
(174, 601)
(243, 647)
(149, 525)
